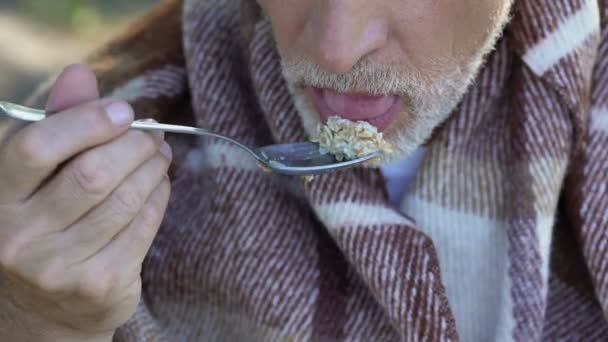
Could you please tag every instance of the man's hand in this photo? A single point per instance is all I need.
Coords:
(81, 199)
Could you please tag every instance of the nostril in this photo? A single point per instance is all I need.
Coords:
(339, 49)
(335, 61)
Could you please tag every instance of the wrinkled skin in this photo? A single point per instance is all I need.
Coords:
(432, 50)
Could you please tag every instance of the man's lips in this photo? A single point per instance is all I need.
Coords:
(377, 110)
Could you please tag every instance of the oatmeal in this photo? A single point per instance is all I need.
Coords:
(350, 140)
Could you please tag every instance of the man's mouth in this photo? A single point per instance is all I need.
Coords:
(379, 111)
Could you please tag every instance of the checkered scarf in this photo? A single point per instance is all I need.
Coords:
(502, 236)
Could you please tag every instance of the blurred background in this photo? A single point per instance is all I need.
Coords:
(39, 37)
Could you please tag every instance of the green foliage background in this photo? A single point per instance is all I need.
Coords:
(79, 16)
(50, 34)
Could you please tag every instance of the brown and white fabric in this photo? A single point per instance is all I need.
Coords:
(502, 237)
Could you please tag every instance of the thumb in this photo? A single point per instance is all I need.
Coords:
(76, 85)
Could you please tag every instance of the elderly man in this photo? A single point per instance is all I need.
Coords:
(488, 223)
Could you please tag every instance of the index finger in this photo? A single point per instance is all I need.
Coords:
(34, 152)
(8, 127)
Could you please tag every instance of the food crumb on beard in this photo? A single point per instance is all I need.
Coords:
(271, 163)
(308, 178)
(348, 140)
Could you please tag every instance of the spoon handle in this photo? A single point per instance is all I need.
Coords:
(30, 114)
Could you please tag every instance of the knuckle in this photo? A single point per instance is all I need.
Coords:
(91, 175)
(135, 289)
(166, 164)
(49, 279)
(130, 300)
(29, 148)
(12, 249)
(128, 200)
(98, 118)
(97, 288)
(140, 143)
(151, 216)
(145, 141)
(165, 187)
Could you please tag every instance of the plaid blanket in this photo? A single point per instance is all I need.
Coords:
(502, 236)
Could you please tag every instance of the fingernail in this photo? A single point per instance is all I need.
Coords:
(165, 149)
(120, 113)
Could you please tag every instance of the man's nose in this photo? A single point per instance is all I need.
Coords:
(344, 32)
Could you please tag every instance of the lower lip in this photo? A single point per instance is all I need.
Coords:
(382, 121)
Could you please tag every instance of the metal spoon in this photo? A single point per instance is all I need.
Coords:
(303, 158)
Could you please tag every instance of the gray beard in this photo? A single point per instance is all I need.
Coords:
(430, 107)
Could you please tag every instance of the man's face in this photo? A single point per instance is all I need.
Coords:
(402, 65)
